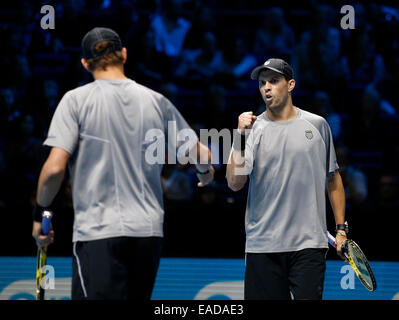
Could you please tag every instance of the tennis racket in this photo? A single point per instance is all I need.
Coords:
(42, 256)
(358, 262)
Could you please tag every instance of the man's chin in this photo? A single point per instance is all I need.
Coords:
(270, 105)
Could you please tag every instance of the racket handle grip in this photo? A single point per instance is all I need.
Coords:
(46, 222)
(331, 239)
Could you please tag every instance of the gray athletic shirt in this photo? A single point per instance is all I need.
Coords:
(288, 164)
(103, 125)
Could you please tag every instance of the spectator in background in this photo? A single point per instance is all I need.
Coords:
(215, 105)
(3, 168)
(51, 97)
(72, 20)
(170, 91)
(354, 180)
(203, 22)
(322, 106)
(388, 192)
(369, 131)
(47, 104)
(335, 64)
(177, 183)
(19, 41)
(306, 59)
(24, 153)
(150, 66)
(137, 24)
(237, 62)
(365, 64)
(46, 41)
(389, 85)
(9, 111)
(275, 37)
(169, 28)
(21, 75)
(24, 145)
(320, 62)
(51, 94)
(201, 63)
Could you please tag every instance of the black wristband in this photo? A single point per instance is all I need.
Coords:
(38, 211)
(343, 227)
(238, 141)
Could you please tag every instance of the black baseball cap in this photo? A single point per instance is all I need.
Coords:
(97, 35)
(277, 65)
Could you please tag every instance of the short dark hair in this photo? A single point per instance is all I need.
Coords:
(113, 58)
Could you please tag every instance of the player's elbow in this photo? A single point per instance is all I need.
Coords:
(235, 181)
(235, 187)
(53, 170)
(235, 184)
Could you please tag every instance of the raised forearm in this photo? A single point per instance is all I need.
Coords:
(235, 171)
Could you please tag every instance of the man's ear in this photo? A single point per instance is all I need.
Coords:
(124, 54)
(291, 85)
(85, 64)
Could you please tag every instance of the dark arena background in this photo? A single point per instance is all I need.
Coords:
(350, 76)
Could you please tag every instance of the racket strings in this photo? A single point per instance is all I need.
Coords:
(360, 264)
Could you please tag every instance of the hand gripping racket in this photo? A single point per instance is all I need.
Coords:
(358, 262)
(42, 256)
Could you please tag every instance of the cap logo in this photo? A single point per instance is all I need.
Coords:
(267, 62)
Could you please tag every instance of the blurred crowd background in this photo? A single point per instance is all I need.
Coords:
(199, 54)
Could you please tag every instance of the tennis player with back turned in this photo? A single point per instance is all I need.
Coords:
(100, 129)
(289, 157)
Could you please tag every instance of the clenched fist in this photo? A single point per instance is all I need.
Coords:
(245, 121)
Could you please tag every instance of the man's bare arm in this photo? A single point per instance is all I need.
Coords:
(336, 193)
(236, 179)
(235, 170)
(51, 176)
(203, 164)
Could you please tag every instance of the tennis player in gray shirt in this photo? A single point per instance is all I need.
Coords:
(289, 157)
(104, 129)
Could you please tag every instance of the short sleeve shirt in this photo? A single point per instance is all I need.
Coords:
(108, 126)
(288, 164)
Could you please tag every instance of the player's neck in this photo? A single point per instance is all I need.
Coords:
(112, 73)
(285, 113)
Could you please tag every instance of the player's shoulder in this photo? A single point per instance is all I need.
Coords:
(82, 88)
(80, 92)
(259, 125)
(147, 90)
(261, 120)
(315, 119)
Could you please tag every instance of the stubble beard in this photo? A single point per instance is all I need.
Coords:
(276, 108)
